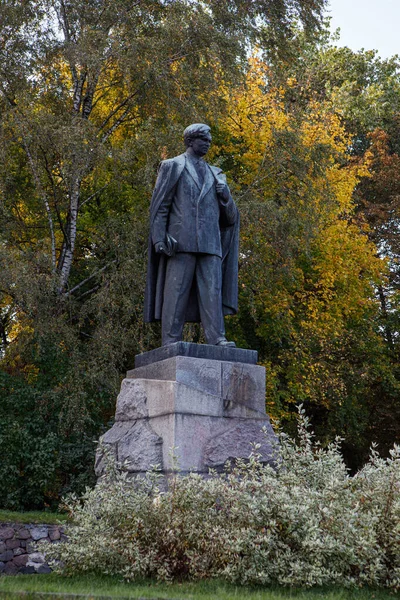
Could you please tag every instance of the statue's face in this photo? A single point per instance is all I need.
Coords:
(201, 144)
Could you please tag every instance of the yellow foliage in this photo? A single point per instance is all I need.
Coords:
(307, 271)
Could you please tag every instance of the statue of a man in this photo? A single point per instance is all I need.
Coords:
(193, 244)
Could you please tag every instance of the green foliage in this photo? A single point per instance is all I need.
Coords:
(92, 96)
(304, 523)
(48, 429)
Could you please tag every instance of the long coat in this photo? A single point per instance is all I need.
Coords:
(218, 234)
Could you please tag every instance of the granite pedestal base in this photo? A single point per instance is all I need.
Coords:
(195, 399)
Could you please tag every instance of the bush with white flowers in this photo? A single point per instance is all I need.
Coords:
(305, 522)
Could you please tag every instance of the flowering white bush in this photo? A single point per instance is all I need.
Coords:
(305, 523)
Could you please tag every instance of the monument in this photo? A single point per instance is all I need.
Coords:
(204, 401)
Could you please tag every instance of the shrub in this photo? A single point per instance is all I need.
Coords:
(304, 523)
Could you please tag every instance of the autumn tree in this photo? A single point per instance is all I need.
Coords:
(93, 94)
(308, 273)
(363, 91)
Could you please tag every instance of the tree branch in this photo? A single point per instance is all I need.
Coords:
(82, 283)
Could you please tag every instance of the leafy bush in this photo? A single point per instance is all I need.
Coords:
(305, 523)
(42, 455)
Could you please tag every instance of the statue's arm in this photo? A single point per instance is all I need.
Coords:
(159, 229)
(163, 199)
(228, 208)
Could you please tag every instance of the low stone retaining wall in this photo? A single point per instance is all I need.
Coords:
(20, 547)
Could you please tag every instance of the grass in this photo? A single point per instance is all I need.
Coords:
(46, 587)
(50, 518)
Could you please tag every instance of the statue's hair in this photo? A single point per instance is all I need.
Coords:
(194, 131)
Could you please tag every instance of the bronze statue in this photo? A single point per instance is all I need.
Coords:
(193, 244)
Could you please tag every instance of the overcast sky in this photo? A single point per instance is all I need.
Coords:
(368, 24)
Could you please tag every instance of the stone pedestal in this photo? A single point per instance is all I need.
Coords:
(206, 403)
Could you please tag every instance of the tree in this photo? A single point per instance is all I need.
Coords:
(308, 273)
(363, 91)
(93, 94)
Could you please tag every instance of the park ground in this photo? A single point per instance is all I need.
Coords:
(45, 587)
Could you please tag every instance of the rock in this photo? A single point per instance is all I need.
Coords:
(11, 544)
(10, 568)
(131, 401)
(36, 557)
(6, 533)
(2, 547)
(19, 551)
(236, 442)
(43, 570)
(54, 534)
(2, 566)
(27, 570)
(23, 534)
(21, 561)
(135, 442)
(6, 556)
(44, 541)
(38, 533)
(140, 448)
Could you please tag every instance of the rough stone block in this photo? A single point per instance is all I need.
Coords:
(2, 547)
(36, 558)
(27, 570)
(43, 570)
(2, 566)
(140, 448)
(12, 543)
(6, 556)
(134, 443)
(37, 533)
(132, 401)
(10, 568)
(43, 541)
(243, 385)
(237, 441)
(21, 561)
(23, 534)
(54, 534)
(6, 533)
(19, 551)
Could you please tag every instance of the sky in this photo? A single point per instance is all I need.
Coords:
(368, 24)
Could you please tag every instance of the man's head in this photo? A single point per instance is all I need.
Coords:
(198, 138)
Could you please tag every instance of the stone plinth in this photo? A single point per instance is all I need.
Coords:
(209, 410)
(196, 351)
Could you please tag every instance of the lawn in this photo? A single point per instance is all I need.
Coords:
(49, 518)
(41, 587)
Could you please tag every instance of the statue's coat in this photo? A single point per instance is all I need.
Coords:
(168, 176)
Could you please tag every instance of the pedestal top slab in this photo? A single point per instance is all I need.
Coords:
(197, 351)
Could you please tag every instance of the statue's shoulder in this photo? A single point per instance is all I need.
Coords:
(215, 170)
(169, 163)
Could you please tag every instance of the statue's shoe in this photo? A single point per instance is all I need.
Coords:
(225, 344)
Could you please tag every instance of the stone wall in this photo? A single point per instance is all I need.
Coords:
(20, 547)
